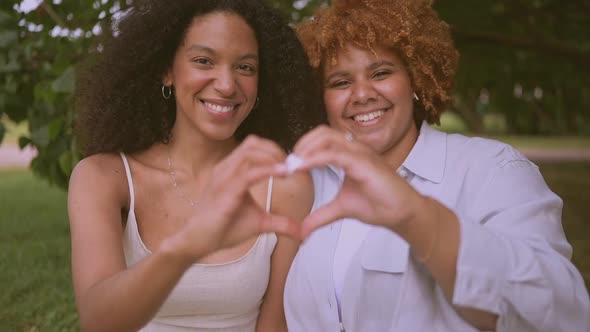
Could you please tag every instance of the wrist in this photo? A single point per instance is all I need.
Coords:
(179, 250)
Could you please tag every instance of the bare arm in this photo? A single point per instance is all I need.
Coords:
(103, 285)
(129, 297)
(292, 197)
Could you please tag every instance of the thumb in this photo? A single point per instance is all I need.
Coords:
(280, 225)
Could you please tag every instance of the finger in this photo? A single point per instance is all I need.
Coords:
(254, 174)
(343, 158)
(330, 141)
(280, 225)
(240, 160)
(322, 216)
(317, 138)
(255, 143)
(256, 147)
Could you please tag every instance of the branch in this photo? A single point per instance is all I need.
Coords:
(578, 56)
(53, 14)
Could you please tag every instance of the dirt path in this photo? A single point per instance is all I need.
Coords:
(12, 157)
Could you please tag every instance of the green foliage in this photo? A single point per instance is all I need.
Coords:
(507, 48)
(532, 57)
(38, 76)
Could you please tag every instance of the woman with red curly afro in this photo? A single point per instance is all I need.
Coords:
(414, 229)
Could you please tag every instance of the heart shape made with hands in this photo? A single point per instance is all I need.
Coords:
(292, 163)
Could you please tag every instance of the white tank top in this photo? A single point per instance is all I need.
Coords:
(208, 297)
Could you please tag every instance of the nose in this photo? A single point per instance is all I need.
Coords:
(225, 82)
(363, 92)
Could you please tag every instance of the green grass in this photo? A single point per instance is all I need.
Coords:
(34, 256)
(36, 290)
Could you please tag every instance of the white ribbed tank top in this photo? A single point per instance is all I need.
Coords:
(208, 297)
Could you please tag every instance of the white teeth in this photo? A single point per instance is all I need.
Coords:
(219, 108)
(369, 116)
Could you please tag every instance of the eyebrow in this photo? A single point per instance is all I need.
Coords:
(211, 51)
(372, 66)
(378, 64)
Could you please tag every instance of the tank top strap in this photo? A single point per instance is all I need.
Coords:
(269, 194)
(129, 182)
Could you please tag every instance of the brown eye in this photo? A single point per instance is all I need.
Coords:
(247, 68)
(202, 61)
(381, 74)
(339, 84)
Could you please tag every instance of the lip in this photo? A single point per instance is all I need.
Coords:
(217, 115)
(370, 122)
(220, 102)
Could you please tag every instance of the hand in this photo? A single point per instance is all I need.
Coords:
(228, 214)
(371, 192)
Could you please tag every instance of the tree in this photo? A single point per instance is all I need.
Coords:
(528, 60)
(38, 53)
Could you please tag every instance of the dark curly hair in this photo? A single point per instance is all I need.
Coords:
(409, 27)
(118, 101)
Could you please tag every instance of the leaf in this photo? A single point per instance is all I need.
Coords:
(64, 83)
(66, 162)
(40, 136)
(4, 17)
(23, 141)
(8, 38)
(54, 128)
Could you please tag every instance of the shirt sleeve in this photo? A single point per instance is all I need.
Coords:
(514, 259)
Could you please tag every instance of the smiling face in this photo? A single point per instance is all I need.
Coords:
(215, 75)
(370, 94)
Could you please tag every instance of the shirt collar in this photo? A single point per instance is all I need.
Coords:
(427, 157)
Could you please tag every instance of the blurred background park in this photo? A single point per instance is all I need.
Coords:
(524, 78)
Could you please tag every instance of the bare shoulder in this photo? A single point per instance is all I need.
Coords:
(100, 177)
(293, 195)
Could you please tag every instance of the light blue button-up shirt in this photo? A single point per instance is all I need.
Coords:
(514, 259)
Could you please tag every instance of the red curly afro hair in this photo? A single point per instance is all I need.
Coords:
(409, 27)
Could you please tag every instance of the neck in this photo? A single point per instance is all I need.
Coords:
(397, 154)
(195, 153)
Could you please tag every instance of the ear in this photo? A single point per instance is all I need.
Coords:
(167, 78)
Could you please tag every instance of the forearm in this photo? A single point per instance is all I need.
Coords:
(434, 237)
(129, 299)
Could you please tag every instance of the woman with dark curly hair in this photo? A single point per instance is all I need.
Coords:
(465, 236)
(184, 113)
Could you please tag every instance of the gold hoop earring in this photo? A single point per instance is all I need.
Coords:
(166, 91)
(416, 97)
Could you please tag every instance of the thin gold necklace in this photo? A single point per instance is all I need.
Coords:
(175, 184)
